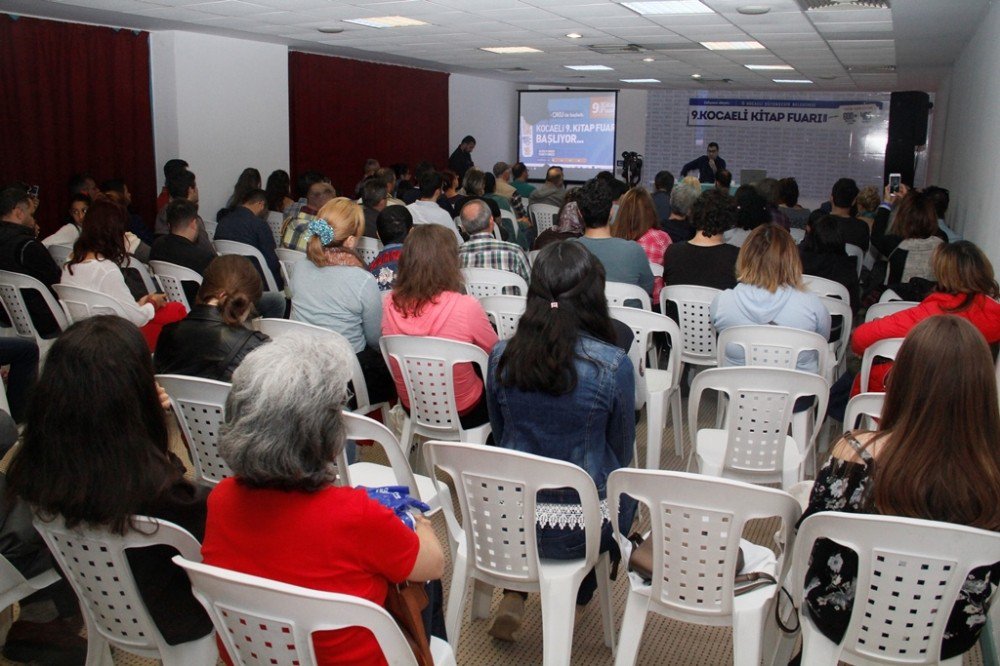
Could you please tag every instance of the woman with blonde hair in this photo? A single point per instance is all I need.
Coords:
(636, 220)
(332, 288)
(770, 291)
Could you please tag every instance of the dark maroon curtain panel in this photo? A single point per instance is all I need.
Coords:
(345, 111)
(75, 98)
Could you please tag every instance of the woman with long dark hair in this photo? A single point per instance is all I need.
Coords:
(279, 191)
(934, 456)
(95, 451)
(561, 388)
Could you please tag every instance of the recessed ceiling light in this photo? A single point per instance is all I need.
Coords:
(753, 10)
(791, 80)
(588, 68)
(386, 21)
(696, 76)
(649, 59)
(507, 50)
(330, 31)
(668, 7)
(639, 80)
(770, 68)
(574, 35)
(732, 46)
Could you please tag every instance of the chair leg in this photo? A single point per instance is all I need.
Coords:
(655, 420)
(202, 651)
(456, 601)
(748, 629)
(678, 419)
(558, 617)
(603, 571)
(98, 650)
(633, 622)
(482, 599)
(817, 648)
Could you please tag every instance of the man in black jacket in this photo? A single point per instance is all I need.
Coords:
(461, 160)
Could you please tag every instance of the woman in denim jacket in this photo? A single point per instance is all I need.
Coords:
(561, 388)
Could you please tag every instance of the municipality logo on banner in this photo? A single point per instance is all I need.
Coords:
(819, 114)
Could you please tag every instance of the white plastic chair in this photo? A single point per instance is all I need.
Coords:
(172, 277)
(543, 216)
(531, 257)
(889, 295)
(887, 348)
(94, 561)
(839, 347)
(504, 311)
(879, 310)
(510, 217)
(79, 303)
(11, 287)
(823, 287)
(428, 369)
(857, 253)
(148, 281)
(797, 234)
(252, 253)
(200, 406)
(14, 586)
(497, 494)
(656, 269)
(481, 282)
(262, 621)
(696, 525)
(655, 388)
(910, 574)
(60, 252)
(618, 293)
(368, 248)
(698, 335)
(775, 347)
(288, 257)
(274, 328)
(753, 444)
(862, 410)
(274, 222)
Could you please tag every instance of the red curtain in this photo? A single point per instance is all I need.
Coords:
(345, 111)
(76, 98)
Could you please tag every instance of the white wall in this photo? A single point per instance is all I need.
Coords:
(486, 109)
(968, 160)
(630, 129)
(222, 105)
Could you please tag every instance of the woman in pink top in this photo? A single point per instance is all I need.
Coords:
(636, 220)
(427, 301)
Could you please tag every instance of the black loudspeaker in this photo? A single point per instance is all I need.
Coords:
(907, 129)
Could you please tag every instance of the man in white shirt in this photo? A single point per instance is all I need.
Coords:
(426, 210)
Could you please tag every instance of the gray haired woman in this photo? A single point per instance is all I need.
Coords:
(281, 517)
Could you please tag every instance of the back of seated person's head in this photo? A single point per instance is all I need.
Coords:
(235, 284)
(844, 192)
(449, 180)
(714, 213)
(387, 175)
(769, 259)
(304, 379)
(594, 201)
(174, 165)
(307, 179)
(180, 212)
(374, 191)
(915, 216)
(429, 183)
(753, 208)
(724, 179)
(636, 214)
(823, 236)
(941, 426)
(788, 192)
(617, 187)
(664, 181)
(474, 183)
(475, 216)
(554, 176)
(277, 188)
(11, 198)
(490, 203)
(683, 196)
(428, 266)
(519, 169)
(402, 171)
(962, 268)
(94, 447)
(371, 166)
(80, 182)
(115, 185)
(606, 176)
(179, 183)
(868, 199)
(489, 183)
(102, 233)
(337, 221)
(768, 188)
(941, 198)
(393, 224)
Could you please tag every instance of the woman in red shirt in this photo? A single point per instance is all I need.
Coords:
(281, 517)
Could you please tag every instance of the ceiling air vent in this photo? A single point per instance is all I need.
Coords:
(872, 69)
(625, 49)
(513, 69)
(813, 5)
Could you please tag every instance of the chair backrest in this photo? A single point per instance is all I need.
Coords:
(643, 325)
(497, 494)
(255, 257)
(274, 328)
(11, 287)
(879, 310)
(775, 347)
(263, 621)
(543, 215)
(889, 295)
(910, 575)
(427, 366)
(823, 287)
(288, 257)
(14, 586)
(481, 282)
(759, 412)
(842, 309)
(618, 293)
(531, 257)
(887, 349)
(200, 406)
(504, 311)
(698, 336)
(93, 559)
(858, 254)
(656, 269)
(696, 522)
(60, 252)
(148, 281)
(359, 427)
(274, 222)
(79, 303)
(172, 277)
(368, 248)
(863, 406)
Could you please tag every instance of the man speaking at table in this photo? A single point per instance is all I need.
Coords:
(706, 165)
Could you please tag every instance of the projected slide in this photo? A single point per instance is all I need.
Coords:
(571, 129)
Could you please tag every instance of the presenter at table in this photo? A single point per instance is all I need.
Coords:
(706, 165)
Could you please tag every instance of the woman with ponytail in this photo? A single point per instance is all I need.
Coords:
(427, 300)
(213, 339)
(563, 389)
